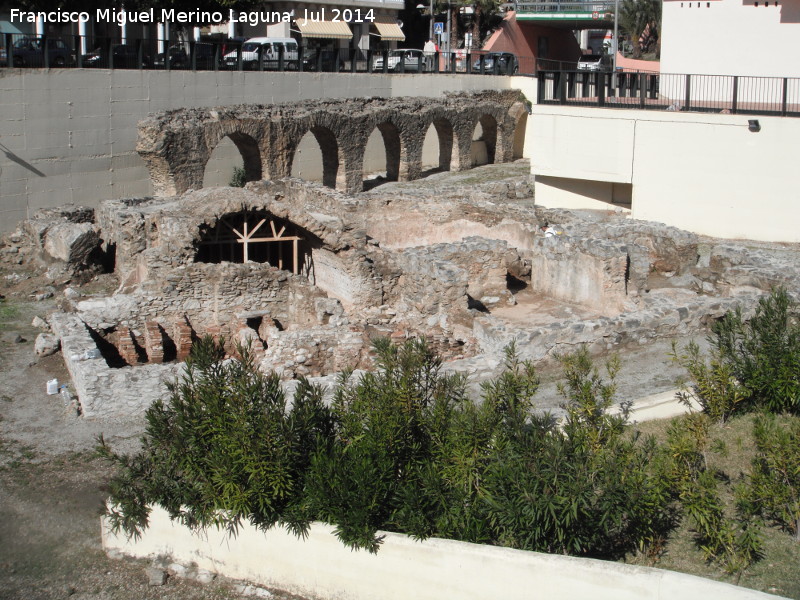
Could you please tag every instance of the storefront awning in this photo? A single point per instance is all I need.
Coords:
(338, 30)
(388, 29)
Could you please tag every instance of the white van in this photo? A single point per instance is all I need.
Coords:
(270, 49)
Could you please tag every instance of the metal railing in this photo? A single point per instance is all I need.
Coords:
(674, 92)
(567, 6)
(18, 50)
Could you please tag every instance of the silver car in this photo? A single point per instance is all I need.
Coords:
(413, 60)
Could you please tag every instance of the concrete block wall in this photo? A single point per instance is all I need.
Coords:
(702, 172)
(68, 136)
(320, 566)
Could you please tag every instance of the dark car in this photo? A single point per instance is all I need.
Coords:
(124, 56)
(329, 60)
(503, 63)
(28, 52)
(179, 57)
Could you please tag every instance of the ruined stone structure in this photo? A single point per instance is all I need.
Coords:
(176, 145)
(305, 276)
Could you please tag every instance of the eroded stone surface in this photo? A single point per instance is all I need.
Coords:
(456, 259)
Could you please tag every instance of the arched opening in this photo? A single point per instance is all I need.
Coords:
(257, 236)
(307, 163)
(234, 161)
(484, 141)
(430, 151)
(519, 136)
(437, 147)
(381, 161)
(316, 157)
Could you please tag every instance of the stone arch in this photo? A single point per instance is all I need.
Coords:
(393, 147)
(488, 126)
(446, 136)
(518, 114)
(331, 153)
(248, 150)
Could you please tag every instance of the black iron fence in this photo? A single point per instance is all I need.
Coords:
(32, 51)
(675, 92)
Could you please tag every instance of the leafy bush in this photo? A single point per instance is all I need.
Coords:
(401, 448)
(714, 388)
(731, 541)
(378, 471)
(773, 488)
(764, 352)
(222, 448)
(239, 177)
(753, 364)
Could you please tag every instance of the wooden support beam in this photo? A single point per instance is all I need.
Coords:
(246, 245)
(288, 238)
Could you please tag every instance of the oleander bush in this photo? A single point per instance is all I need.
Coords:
(404, 449)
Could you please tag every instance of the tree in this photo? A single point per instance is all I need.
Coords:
(637, 17)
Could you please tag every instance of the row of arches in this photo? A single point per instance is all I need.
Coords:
(339, 148)
(381, 155)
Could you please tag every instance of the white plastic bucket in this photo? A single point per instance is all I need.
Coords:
(52, 387)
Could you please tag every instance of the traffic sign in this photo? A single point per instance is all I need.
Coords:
(438, 28)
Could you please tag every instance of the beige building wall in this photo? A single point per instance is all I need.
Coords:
(731, 37)
(706, 173)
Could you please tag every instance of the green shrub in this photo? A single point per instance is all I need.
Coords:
(764, 352)
(773, 488)
(582, 487)
(239, 177)
(733, 542)
(222, 448)
(401, 448)
(715, 387)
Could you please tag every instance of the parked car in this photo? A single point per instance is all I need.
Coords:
(125, 56)
(413, 60)
(594, 62)
(330, 60)
(28, 52)
(506, 63)
(270, 49)
(179, 57)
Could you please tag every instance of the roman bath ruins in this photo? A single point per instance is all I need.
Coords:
(306, 274)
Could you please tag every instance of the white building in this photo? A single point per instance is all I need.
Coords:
(731, 37)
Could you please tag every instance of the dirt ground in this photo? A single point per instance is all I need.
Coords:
(52, 485)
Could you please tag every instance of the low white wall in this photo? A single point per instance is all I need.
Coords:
(705, 173)
(321, 567)
(67, 136)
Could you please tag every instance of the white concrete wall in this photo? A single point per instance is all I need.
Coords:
(68, 136)
(321, 567)
(731, 37)
(701, 172)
